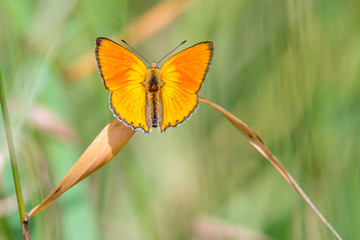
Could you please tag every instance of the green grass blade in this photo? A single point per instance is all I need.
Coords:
(13, 160)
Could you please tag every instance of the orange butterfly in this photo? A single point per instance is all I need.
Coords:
(143, 98)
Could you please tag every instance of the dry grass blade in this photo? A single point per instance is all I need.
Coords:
(256, 141)
(147, 25)
(104, 147)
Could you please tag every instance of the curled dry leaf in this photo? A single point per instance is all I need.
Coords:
(114, 137)
(104, 147)
(256, 141)
(147, 25)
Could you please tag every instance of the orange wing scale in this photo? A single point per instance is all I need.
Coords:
(183, 75)
(122, 73)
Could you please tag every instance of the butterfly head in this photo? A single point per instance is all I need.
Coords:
(153, 66)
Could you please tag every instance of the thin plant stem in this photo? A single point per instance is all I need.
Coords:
(13, 161)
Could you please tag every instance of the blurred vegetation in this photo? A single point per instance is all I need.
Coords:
(289, 69)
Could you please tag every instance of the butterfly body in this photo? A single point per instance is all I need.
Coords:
(145, 98)
(153, 104)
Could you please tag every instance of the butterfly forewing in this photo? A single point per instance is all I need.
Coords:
(183, 75)
(123, 73)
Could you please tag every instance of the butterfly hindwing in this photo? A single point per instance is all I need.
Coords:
(182, 76)
(123, 73)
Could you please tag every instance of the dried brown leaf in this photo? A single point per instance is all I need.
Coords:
(256, 141)
(104, 147)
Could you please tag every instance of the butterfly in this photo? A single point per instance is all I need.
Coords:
(144, 98)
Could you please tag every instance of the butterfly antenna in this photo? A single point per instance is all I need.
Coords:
(171, 51)
(135, 51)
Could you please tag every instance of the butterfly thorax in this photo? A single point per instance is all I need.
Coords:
(153, 106)
(152, 81)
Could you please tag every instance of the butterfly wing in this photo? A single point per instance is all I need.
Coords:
(182, 76)
(122, 73)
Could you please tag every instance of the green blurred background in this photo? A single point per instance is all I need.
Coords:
(289, 69)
